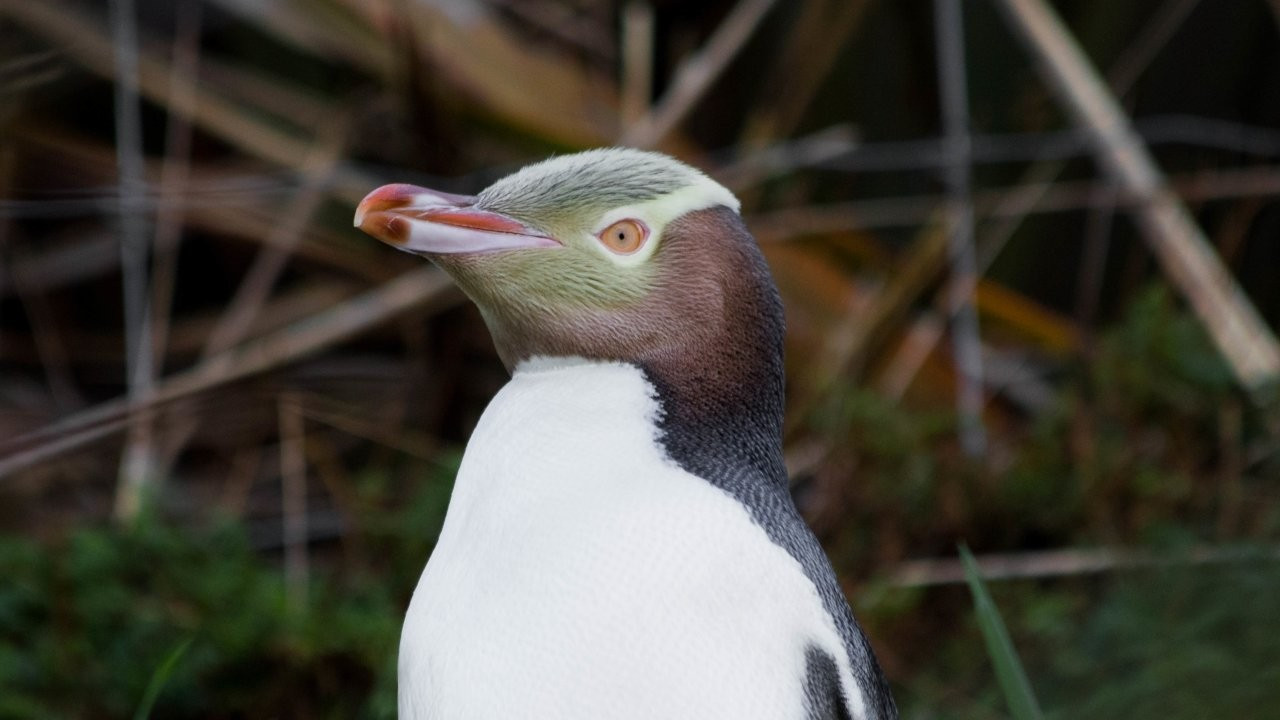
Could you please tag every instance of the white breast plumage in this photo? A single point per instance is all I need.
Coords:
(581, 574)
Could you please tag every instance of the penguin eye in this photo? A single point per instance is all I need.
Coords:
(624, 237)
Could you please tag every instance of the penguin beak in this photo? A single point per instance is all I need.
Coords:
(430, 222)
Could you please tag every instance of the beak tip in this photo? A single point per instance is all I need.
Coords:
(387, 197)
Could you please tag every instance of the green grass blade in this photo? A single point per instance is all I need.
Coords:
(1013, 679)
(159, 678)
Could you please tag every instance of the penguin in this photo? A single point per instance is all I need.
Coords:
(621, 541)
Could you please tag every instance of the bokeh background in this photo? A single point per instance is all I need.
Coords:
(1030, 253)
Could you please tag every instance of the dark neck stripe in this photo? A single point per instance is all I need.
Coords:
(721, 407)
(720, 377)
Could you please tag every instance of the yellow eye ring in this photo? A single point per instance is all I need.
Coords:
(624, 237)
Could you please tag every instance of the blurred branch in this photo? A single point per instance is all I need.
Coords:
(1064, 563)
(46, 332)
(1138, 55)
(948, 23)
(1237, 329)
(930, 153)
(135, 471)
(1038, 181)
(175, 173)
(468, 52)
(918, 343)
(1038, 192)
(565, 23)
(637, 60)
(1045, 328)
(319, 28)
(81, 36)
(786, 156)
(551, 95)
(917, 269)
(230, 199)
(1093, 265)
(855, 333)
(6, 226)
(293, 499)
(812, 48)
(323, 245)
(249, 87)
(697, 74)
(286, 234)
(832, 148)
(1013, 202)
(410, 290)
(375, 430)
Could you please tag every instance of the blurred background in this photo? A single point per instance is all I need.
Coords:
(1030, 254)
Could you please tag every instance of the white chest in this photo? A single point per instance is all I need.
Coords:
(581, 575)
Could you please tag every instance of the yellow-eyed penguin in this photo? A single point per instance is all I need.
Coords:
(621, 542)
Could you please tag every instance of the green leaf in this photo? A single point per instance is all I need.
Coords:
(1013, 679)
(159, 678)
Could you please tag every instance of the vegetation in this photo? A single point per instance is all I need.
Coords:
(89, 618)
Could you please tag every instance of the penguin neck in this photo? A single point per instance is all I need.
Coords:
(712, 434)
(720, 388)
(723, 432)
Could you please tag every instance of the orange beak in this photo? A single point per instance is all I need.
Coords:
(430, 222)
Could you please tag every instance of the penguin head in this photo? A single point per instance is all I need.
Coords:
(610, 254)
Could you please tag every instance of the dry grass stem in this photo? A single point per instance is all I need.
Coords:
(813, 47)
(411, 290)
(285, 236)
(293, 499)
(82, 37)
(1180, 246)
(1063, 563)
(637, 60)
(966, 346)
(697, 73)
